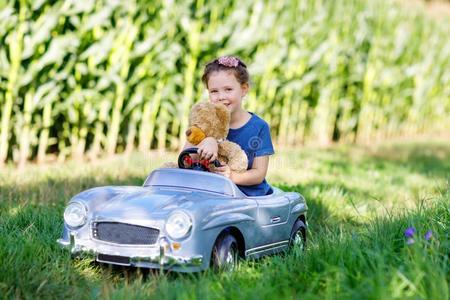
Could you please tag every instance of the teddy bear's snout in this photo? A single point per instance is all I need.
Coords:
(195, 135)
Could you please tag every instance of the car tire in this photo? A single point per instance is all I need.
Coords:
(225, 253)
(298, 235)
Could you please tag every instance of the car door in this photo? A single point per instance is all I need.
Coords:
(273, 213)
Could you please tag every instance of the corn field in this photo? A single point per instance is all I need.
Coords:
(88, 78)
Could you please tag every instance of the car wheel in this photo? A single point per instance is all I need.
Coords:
(225, 253)
(298, 235)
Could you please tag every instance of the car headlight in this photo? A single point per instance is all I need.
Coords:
(75, 214)
(178, 225)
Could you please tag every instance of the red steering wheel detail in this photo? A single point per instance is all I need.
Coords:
(186, 161)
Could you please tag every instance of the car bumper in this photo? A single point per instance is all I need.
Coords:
(158, 256)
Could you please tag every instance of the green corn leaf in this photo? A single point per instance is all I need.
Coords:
(40, 32)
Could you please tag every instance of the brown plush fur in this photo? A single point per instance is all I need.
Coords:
(212, 120)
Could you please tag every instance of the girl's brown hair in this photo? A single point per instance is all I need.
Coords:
(227, 63)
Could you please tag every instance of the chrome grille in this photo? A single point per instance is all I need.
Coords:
(122, 233)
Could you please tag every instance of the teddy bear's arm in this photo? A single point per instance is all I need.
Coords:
(237, 159)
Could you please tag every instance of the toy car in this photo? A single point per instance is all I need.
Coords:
(183, 220)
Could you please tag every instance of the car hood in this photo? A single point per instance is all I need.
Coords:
(148, 203)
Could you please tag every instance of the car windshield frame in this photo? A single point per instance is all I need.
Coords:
(190, 179)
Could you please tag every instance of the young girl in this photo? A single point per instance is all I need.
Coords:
(227, 81)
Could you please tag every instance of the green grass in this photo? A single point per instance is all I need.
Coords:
(361, 201)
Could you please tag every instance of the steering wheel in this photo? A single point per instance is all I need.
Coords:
(186, 161)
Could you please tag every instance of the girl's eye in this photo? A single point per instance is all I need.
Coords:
(213, 91)
(229, 89)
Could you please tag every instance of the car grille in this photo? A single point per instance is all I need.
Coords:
(121, 260)
(122, 233)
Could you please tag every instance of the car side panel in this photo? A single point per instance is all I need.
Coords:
(274, 236)
(240, 213)
(273, 214)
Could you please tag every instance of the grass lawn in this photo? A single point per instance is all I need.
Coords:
(361, 200)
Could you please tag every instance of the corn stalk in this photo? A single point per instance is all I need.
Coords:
(15, 41)
(101, 77)
(120, 57)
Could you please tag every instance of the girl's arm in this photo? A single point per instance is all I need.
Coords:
(207, 149)
(253, 176)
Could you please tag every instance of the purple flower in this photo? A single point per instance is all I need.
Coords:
(409, 232)
(428, 235)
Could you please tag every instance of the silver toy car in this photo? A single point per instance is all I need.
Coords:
(181, 220)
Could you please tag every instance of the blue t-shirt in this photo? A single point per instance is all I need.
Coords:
(254, 139)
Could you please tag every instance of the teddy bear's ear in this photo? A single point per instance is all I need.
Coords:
(224, 115)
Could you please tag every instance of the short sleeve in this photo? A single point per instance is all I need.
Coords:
(263, 143)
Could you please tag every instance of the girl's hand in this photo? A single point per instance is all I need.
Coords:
(224, 170)
(208, 148)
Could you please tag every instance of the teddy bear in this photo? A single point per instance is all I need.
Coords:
(212, 120)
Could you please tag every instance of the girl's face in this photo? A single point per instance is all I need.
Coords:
(224, 88)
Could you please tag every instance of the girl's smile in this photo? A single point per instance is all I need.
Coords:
(224, 88)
